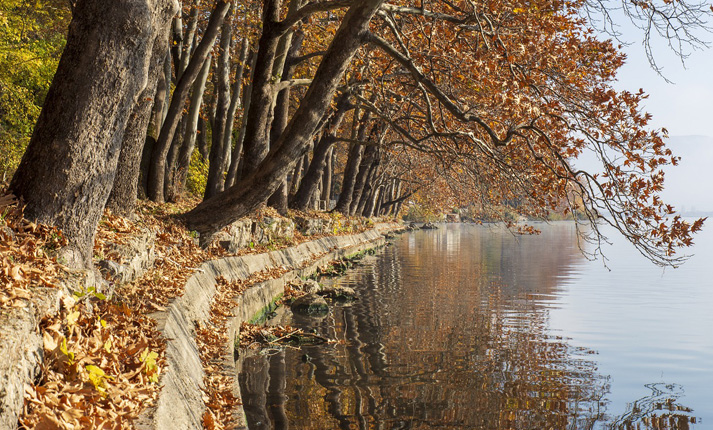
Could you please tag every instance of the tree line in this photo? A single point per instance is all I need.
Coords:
(367, 102)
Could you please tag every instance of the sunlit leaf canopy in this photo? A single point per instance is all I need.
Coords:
(471, 104)
(489, 103)
(32, 36)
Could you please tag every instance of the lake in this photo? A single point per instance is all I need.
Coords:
(472, 327)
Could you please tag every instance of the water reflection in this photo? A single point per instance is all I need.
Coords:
(661, 410)
(451, 332)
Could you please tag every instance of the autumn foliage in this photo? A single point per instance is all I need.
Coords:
(374, 105)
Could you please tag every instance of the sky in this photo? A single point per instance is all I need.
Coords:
(684, 107)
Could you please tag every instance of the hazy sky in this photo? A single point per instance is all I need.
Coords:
(684, 107)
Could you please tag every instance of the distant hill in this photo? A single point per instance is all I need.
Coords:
(689, 186)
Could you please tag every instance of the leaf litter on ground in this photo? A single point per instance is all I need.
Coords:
(103, 357)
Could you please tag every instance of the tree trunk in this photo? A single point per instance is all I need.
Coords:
(158, 159)
(202, 142)
(189, 139)
(362, 176)
(233, 108)
(352, 168)
(313, 175)
(327, 178)
(296, 177)
(287, 50)
(368, 189)
(189, 39)
(236, 158)
(259, 118)
(245, 196)
(177, 45)
(349, 179)
(67, 172)
(122, 199)
(169, 180)
(279, 198)
(217, 155)
(160, 99)
(371, 202)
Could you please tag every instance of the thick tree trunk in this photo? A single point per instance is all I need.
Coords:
(245, 196)
(68, 169)
(216, 160)
(189, 138)
(158, 158)
(122, 199)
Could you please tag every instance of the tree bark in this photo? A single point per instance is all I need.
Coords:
(371, 202)
(296, 177)
(245, 196)
(216, 159)
(189, 138)
(368, 190)
(352, 168)
(313, 175)
(236, 158)
(158, 159)
(259, 118)
(169, 180)
(67, 172)
(189, 39)
(361, 178)
(233, 108)
(288, 48)
(327, 178)
(202, 140)
(160, 99)
(349, 179)
(279, 200)
(122, 199)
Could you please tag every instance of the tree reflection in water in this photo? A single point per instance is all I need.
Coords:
(658, 411)
(451, 332)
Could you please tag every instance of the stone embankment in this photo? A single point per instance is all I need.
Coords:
(180, 404)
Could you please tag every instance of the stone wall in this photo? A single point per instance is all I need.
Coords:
(21, 348)
(180, 405)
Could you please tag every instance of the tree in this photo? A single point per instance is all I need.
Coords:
(67, 172)
(455, 103)
(163, 144)
(246, 195)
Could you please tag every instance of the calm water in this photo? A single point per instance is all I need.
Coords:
(470, 327)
